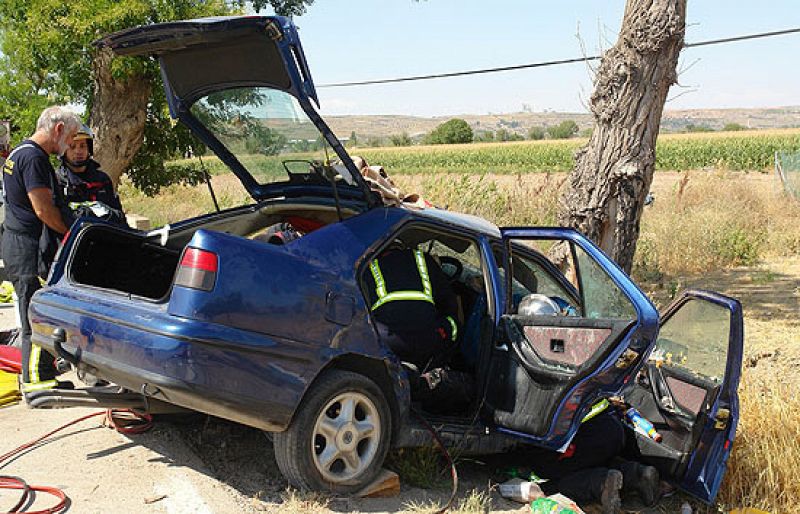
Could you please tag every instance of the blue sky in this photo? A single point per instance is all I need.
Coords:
(348, 40)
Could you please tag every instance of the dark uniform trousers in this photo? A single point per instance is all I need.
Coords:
(20, 254)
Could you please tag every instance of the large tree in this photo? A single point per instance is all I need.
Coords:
(613, 172)
(47, 57)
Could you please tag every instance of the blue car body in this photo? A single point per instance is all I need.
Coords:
(275, 318)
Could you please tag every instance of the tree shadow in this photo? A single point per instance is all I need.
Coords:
(769, 291)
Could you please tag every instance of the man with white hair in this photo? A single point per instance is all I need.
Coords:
(29, 185)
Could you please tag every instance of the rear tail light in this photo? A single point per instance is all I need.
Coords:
(197, 270)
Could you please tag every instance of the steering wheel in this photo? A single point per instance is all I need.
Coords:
(453, 264)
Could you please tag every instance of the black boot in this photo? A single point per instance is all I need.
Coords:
(596, 484)
(641, 479)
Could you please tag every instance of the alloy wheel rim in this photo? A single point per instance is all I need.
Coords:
(346, 437)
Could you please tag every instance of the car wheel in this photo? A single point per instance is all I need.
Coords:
(339, 436)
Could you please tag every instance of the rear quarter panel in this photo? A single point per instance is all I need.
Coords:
(246, 351)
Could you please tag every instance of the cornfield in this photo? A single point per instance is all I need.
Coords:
(750, 150)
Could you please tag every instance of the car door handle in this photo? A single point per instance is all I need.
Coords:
(557, 345)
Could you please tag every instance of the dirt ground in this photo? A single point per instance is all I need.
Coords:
(205, 465)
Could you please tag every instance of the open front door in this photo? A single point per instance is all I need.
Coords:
(571, 335)
(689, 391)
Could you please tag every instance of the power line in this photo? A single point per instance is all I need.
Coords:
(547, 63)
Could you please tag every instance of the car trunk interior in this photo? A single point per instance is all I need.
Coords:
(138, 264)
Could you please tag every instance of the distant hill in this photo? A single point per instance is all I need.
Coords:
(378, 126)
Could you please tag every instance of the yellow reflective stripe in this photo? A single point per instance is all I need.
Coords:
(422, 266)
(38, 386)
(380, 285)
(33, 363)
(453, 326)
(597, 408)
(402, 295)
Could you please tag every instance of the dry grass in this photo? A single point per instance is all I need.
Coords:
(706, 221)
(296, 502)
(177, 202)
(474, 502)
(763, 468)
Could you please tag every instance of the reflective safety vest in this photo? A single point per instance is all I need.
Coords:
(596, 409)
(426, 295)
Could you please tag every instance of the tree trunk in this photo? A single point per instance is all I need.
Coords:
(118, 115)
(614, 170)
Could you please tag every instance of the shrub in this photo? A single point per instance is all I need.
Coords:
(487, 136)
(732, 127)
(450, 132)
(564, 130)
(536, 133)
(400, 139)
(698, 128)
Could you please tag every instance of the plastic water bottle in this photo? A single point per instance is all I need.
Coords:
(641, 425)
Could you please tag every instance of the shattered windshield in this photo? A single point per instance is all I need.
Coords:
(262, 127)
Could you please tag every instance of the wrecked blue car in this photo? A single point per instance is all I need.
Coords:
(208, 315)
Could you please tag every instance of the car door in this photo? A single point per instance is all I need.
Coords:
(688, 390)
(546, 371)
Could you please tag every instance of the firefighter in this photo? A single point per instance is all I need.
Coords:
(409, 295)
(33, 206)
(415, 307)
(88, 190)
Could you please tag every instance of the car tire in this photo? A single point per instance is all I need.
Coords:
(339, 436)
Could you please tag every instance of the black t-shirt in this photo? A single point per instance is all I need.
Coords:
(27, 167)
(91, 185)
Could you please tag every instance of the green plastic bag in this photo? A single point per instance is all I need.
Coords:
(6, 290)
(548, 506)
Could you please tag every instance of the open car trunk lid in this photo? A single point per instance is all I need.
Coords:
(211, 55)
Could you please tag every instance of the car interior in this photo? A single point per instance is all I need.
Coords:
(680, 383)
(537, 285)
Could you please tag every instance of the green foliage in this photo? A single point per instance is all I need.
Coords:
(284, 7)
(505, 135)
(47, 59)
(400, 139)
(732, 127)
(353, 138)
(564, 130)
(486, 136)
(418, 467)
(450, 132)
(536, 133)
(698, 128)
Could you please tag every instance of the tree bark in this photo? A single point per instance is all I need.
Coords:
(118, 115)
(613, 172)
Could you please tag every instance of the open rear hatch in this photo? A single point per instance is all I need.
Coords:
(243, 86)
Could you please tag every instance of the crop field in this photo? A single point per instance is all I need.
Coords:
(749, 150)
(746, 150)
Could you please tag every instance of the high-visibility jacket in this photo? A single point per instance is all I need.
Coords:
(407, 291)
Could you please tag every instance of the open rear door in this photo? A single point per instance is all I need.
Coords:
(689, 391)
(548, 369)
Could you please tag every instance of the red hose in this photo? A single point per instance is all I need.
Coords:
(126, 421)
